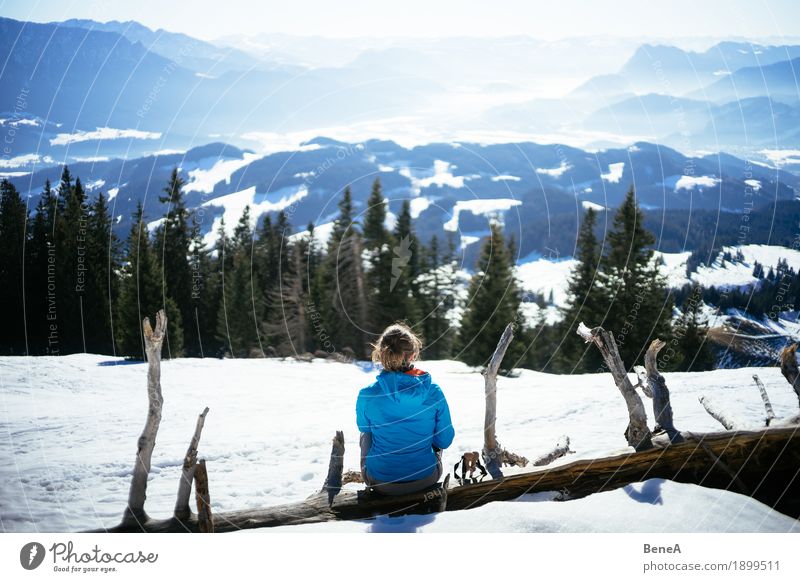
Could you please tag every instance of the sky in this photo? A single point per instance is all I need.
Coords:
(210, 19)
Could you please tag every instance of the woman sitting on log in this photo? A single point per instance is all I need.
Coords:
(403, 418)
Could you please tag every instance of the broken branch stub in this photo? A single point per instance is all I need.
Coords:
(182, 510)
(333, 481)
(662, 408)
(637, 433)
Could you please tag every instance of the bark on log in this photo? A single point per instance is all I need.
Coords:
(637, 434)
(765, 397)
(182, 510)
(765, 461)
(333, 481)
(718, 414)
(789, 368)
(153, 339)
(561, 449)
(205, 518)
(492, 453)
(662, 408)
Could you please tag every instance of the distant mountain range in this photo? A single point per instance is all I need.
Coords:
(122, 104)
(177, 91)
(538, 191)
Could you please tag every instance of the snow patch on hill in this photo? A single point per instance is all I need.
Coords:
(477, 207)
(212, 171)
(614, 174)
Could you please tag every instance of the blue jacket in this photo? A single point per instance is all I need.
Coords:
(407, 415)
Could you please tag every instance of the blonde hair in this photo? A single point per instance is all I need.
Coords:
(397, 347)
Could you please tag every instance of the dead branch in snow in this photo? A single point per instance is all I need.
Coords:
(182, 510)
(637, 433)
(153, 339)
(765, 397)
(561, 449)
(494, 456)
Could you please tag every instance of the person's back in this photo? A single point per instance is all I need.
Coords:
(404, 419)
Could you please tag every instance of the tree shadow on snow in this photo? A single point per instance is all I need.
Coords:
(649, 493)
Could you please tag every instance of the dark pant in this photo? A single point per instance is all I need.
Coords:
(396, 487)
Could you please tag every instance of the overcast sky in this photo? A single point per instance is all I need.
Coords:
(209, 19)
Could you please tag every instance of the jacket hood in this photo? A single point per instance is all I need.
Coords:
(406, 388)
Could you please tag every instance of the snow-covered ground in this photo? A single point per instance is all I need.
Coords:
(69, 425)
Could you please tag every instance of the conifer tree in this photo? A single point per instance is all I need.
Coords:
(436, 300)
(205, 296)
(141, 295)
(102, 256)
(238, 324)
(72, 263)
(173, 247)
(343, 305)
(694, 353)
(640, 307)
(13, 216)
(493, 301)
(584, 304)
(40, 294)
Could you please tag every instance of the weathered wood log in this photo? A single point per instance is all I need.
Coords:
(637, 433)
(153, 339)
(494, 456)
(205, 518)
(789, 368)
(333, 481)
(766, 461)
(765, 398)
(721, 416)
(182, 510)
(641, 380)
(657, 385)
(561, 449)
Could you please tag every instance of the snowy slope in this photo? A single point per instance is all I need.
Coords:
(70, 425)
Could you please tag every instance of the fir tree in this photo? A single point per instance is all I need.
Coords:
(174, 240)
(343, 305)
(691, 329)
(493, 301)
(584, 304)
(141, 296)
(13, 216)
(40, 293)
(237, 325)
(436, 300)
(640, 306)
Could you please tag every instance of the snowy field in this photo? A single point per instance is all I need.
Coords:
(69, 425)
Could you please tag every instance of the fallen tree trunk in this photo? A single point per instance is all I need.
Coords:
(766, 462)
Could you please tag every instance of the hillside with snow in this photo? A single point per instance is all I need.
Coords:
(70, 426)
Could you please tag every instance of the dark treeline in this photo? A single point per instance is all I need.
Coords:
(71, 286)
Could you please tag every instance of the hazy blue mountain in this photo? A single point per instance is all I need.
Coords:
(191, 52)
(780, 81)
